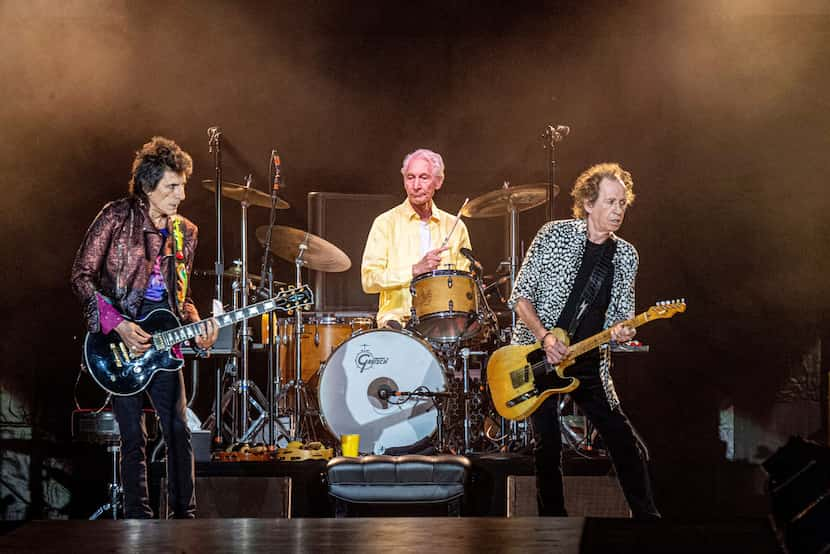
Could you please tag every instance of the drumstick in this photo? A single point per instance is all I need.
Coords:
(454, 225)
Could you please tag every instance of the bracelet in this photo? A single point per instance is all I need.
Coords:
(542, 340)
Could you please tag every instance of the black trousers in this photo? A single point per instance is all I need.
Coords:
(619, 436)
(167, 393)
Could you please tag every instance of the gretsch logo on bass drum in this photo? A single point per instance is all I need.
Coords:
(365, 360)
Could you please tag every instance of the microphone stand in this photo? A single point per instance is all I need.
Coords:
(274, 368)
(215, 148)
(552, 135)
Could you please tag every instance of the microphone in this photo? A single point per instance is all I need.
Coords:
(213, 136)
(561, 130)
(467, 253)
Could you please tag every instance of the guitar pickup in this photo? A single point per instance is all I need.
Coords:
(522, 397)
(116, 355)
(519, 377)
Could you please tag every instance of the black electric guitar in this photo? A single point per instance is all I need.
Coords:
(119, 372)
(517, 376)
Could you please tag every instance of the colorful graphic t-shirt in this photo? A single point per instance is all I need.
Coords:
(156, 288)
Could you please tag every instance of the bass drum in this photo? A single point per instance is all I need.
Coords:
(360, 374)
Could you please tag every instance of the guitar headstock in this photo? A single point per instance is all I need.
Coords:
(291, 298)
(667, 308)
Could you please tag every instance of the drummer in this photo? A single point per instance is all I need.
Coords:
(406, 241)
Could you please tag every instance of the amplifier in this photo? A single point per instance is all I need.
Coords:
(585, 496)
(237, 497)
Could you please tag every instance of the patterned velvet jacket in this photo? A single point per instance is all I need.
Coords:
(116, 257)
(547, 277)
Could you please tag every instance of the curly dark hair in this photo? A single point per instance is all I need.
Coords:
(154, 158)
(586, 186)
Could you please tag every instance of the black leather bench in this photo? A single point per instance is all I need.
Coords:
(397, 480)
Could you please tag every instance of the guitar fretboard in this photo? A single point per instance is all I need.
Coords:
(285, 301)
(595, 341)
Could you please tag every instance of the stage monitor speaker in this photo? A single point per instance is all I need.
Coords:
(238, 497)
(585, 496)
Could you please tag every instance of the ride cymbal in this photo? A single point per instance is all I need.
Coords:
(501, 201)
(319, 254)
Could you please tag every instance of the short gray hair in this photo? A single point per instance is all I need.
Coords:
(434, 159)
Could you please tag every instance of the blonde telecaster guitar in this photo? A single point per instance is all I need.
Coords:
(518, 378)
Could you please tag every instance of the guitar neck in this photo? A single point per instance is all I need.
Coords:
(191, 330)
(602, 337)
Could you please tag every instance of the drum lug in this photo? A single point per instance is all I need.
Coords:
(316, 335)
(450, 305)
(449, 282)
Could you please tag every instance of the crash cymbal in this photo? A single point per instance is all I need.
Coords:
(320, 254)
(239, 193)
(499, 202)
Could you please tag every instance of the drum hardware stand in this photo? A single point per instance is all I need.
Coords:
(465, 356)
(116, 489)
(245, 385)
(299, 385)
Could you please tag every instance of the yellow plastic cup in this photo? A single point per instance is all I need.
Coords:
(349, 445)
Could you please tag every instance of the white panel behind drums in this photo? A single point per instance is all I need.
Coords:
(375, 360)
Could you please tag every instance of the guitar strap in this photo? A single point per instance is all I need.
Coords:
(602, 267)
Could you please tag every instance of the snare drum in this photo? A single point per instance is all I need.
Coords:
(445, 302)
(322, 334)
(358, 382)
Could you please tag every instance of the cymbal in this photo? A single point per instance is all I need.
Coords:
(499, 202)
(239, 193)
(320, 254)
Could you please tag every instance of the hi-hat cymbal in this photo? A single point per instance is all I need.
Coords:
(320, 254)
(501, 201)
(239, 193)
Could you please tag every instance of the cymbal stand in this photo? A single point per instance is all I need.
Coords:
(245, 385)
(299, 386)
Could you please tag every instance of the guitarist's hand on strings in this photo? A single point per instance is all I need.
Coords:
(621, 333)
(555, 349)
(136, 339)
(209, 334)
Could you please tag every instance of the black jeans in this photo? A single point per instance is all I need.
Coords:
(167, 394)
(619, 437)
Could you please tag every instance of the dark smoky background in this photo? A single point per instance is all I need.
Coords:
(717, 108)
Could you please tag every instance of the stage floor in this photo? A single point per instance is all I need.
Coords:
(367, 535)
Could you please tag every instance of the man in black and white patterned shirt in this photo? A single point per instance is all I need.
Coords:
(547, 294)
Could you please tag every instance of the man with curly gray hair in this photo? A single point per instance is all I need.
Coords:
(578, 275)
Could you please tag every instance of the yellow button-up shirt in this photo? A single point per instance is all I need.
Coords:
(394, 246)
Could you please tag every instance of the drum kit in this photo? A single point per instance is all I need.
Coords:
(417, 388)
